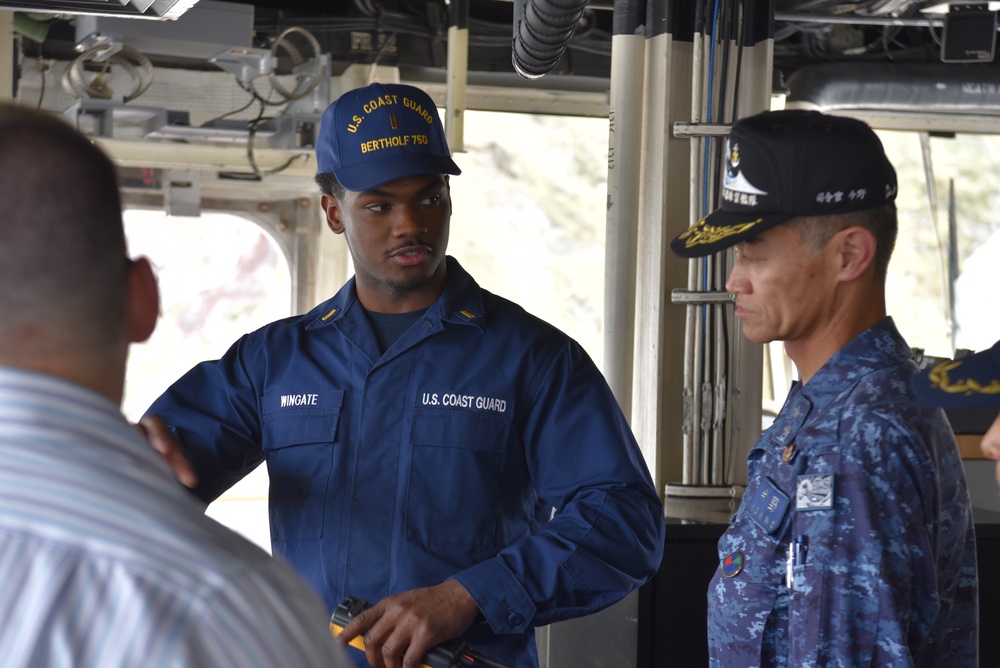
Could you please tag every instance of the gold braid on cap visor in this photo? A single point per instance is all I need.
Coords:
(939, 378)
(700, 233)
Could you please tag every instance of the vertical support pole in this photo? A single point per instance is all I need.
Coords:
(953, 268)
(658, 413)
(7, 84)
(625, 147)
(457, 74)
(301, 217)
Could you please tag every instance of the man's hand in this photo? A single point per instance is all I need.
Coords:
(399, 630)
(163, 441)
(990, 444)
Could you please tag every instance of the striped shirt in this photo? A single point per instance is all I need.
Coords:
(105, 560)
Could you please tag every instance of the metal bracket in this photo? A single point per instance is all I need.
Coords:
(245, 63)
(682, 130)
(182, 196)
(694, 297)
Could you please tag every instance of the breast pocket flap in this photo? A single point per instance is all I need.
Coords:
(309, 421)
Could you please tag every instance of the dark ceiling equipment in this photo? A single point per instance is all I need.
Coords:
(140, 9)
(970, 34)
(560, 44)
(903, 87)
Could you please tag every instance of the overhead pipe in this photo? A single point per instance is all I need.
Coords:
(542, 29)
(905, 87)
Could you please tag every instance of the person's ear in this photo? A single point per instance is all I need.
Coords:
(143, 300)
(334, 213)
(855, 251)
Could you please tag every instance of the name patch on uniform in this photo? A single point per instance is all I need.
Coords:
(460, 400)
(814, 492)
(296, 400)
(291, 399)
(768, 506)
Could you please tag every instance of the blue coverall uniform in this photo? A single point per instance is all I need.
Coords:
(868, 487)
(443, 457)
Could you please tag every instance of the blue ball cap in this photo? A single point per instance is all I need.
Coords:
(967, 382)
(380, 133)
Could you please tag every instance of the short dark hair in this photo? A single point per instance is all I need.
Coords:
(63, 261)
(881, 221)
(329, 185)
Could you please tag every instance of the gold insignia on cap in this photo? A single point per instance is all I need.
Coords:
(392, 122)
(701, 233)
(939, 378)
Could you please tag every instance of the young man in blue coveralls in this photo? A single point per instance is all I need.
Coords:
(854, 544)
(432, 448)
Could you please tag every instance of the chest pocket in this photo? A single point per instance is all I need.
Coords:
(744, 619)
(298, 447)
(455, 477)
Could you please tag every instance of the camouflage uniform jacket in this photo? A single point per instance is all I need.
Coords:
(870, 485)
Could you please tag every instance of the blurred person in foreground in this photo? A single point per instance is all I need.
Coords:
(854, 544)
(105, 560)
(432, 448)
(972, 381)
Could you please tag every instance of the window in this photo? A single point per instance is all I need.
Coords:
(220, 276)
(530, 210)
(918, 280)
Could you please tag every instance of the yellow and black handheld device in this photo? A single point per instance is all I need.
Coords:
(451, 654)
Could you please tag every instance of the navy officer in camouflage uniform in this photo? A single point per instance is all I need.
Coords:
(854, 542)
